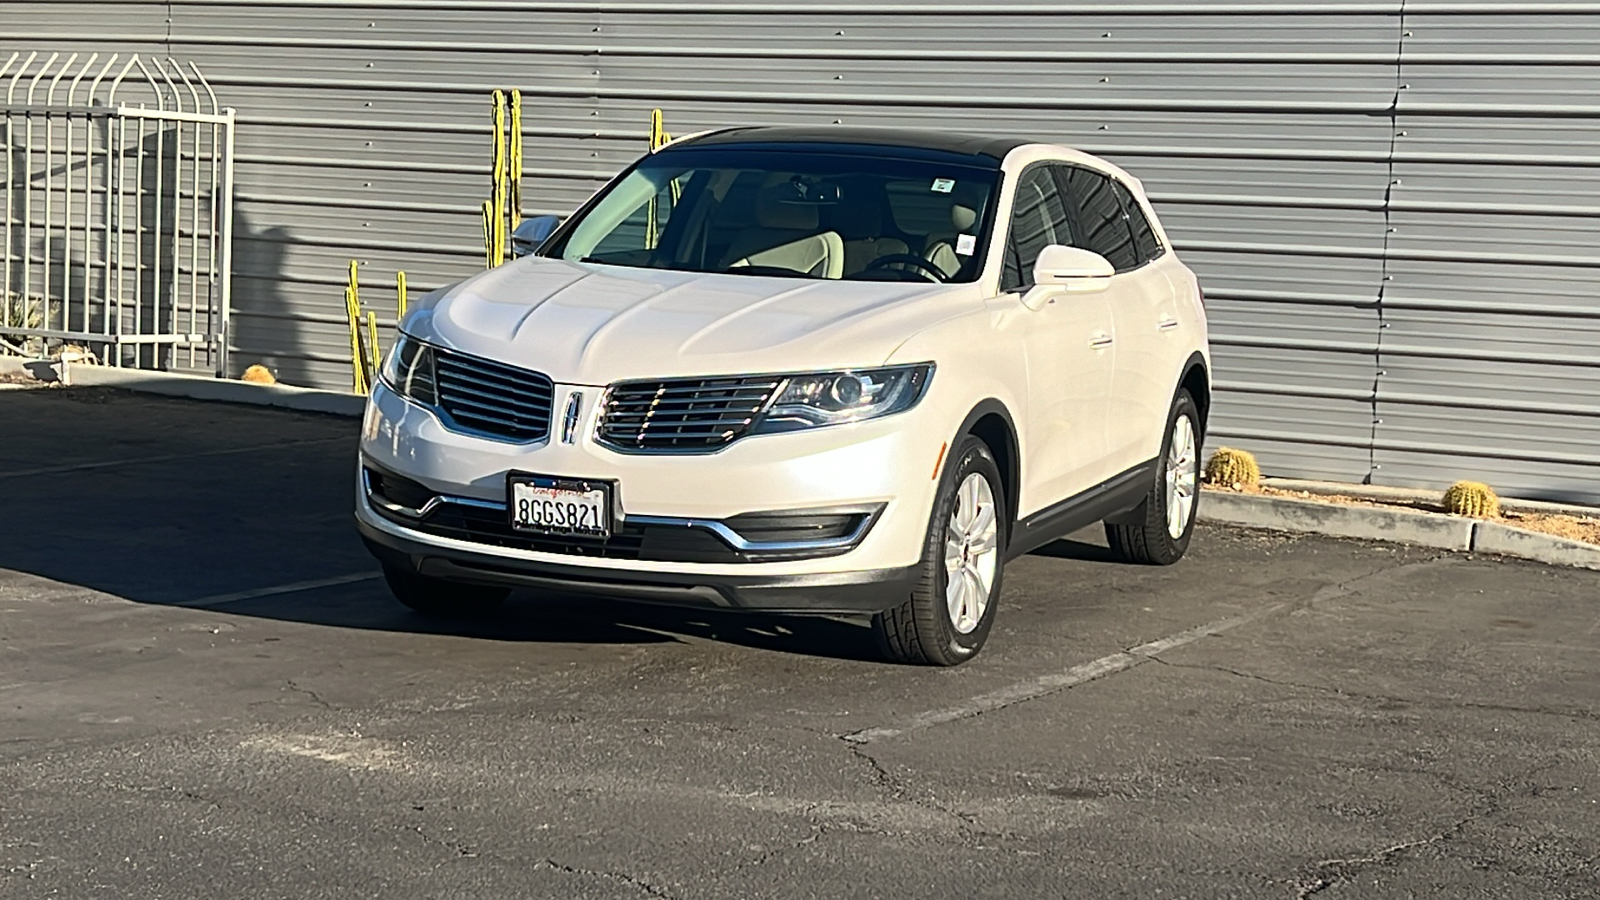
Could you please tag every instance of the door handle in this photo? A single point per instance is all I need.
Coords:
(1167, 323)
(1101, 341)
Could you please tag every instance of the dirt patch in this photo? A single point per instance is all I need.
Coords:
(1573, 528)
(21, 378)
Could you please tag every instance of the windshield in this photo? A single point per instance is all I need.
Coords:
(789, 213)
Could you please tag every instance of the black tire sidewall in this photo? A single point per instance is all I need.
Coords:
(972, 455)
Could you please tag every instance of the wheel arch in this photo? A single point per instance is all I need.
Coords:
(1197, 381)
(990, 421)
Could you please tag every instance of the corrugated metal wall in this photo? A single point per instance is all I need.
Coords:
(1393, 204)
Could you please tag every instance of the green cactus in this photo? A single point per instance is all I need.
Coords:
(1233, 468)
(1471, 498)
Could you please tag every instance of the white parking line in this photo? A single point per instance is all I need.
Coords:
(1059, 681)
(295, 587)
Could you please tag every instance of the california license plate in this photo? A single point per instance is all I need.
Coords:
(560, 506)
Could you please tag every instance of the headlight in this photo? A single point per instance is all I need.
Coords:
(834, 398)
(409, 371)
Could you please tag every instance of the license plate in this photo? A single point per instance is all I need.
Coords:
(560, 506)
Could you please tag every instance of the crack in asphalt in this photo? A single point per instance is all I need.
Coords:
(639, 883)
(1343, 867)
(1491, 800)
(309, 693)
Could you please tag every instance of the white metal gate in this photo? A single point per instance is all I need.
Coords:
(118, 211)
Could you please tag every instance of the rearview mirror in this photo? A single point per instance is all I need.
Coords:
(531, 233)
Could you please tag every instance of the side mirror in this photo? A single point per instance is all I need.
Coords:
(1061, 269)
(1072, 268)
(531, 233)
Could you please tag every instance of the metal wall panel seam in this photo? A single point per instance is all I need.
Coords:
(1584, 262)
(959, 7)
(932, 99)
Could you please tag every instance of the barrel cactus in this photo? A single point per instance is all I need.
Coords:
(258, 375)
(1233, 468)
(1470, 498)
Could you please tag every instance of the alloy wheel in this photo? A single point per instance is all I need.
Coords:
(971, 553)
(1183, 476)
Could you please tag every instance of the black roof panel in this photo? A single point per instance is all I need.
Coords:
(992, 150)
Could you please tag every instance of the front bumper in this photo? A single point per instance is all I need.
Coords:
(834, 592)
(882, 466)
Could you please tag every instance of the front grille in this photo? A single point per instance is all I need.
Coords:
(683, 415)
(492, 398)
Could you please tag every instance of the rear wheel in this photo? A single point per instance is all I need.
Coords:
(948, 615)
(1158, 532)
(443, 599)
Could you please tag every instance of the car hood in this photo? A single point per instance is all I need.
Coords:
(591, 324)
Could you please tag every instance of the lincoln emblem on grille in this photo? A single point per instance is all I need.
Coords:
(569, 421)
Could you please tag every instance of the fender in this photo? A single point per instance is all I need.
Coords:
(1008, 456)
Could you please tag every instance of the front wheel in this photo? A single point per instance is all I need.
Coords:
(947, 618)
(1158, 532)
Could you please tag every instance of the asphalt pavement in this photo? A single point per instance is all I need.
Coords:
(205, 692)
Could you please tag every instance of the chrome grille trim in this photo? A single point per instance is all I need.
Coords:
(491, 399)
(683, 415)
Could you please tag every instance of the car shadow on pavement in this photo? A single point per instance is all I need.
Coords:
(568, 619)
(1067, 548)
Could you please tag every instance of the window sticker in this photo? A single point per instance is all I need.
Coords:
(966, 244)
(944, 185)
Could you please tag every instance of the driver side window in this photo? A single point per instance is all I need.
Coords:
(1038, 219)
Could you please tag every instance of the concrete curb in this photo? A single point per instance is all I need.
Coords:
(1363, 522)
(1492, 537)
(1423, 529)
(215, 389)
(42, 369)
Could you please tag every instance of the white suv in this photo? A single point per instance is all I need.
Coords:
(809, 370)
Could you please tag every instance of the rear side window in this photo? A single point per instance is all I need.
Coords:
(1144, 237)
(1101, 224)
(1039, 219)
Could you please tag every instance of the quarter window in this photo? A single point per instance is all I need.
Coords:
(1144, 237)
(1102, 226)
(1039, 219)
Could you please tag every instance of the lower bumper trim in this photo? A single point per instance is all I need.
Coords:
(867, 591)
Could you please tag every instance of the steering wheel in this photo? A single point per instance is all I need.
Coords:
(924, 268)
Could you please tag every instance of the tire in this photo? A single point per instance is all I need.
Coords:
(924, 630)
(1155, 533)
(442, 599)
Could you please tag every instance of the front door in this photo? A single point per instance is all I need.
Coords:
(1070, 347)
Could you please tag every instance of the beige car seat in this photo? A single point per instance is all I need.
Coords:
(785, 236)
(940, 249)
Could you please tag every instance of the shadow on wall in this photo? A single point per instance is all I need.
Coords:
(262, 319)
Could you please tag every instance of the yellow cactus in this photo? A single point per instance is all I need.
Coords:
(1471, 498)
(1233, 468)
(258, 375)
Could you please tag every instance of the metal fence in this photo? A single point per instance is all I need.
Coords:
(118, 210)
